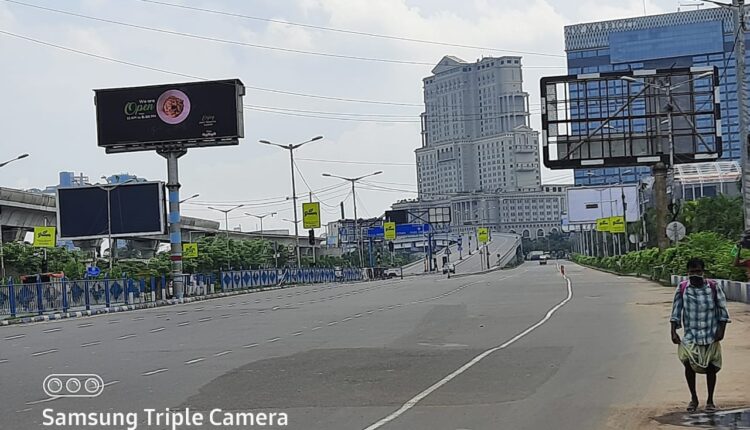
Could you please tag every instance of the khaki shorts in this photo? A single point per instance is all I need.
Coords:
(700, 356)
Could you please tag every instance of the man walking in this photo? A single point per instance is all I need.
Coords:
(700, 308)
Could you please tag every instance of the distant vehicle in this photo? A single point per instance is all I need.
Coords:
(449, 268)
(392, 273)
(543, 259)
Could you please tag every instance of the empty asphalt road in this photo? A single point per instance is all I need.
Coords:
(513, 349)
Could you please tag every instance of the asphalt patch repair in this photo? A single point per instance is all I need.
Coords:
(360, 377)
(720, 420)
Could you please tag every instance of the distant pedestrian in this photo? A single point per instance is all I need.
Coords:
(738, 262)
(700, 308)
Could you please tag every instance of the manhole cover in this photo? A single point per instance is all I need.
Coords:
(736, 419)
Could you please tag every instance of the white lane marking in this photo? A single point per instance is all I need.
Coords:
(139, 318)
(252, 345)
(16, 336)
(127, 336)
(219, 354)
(160, 316)
(85, 325)
(204, 319)
(419, 397)
(346, 319)
(357, 315)
(181, 312)
(113, 321)
(96, 342)
(297, 333)
(195, 360)
(183, 323)
(225, 316)
(275, 308)
(154, 372)
(316, 328)
(156, 330)
(51, 330)
(23, 410)
(49, 351)
(273, 340)
(333, 323)
(4, 360)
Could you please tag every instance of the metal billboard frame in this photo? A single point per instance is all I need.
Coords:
(162, 213)
(616, 119)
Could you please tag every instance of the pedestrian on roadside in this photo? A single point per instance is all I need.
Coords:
(700, 308)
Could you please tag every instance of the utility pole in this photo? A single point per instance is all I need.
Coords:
(226, 229)
(357, 233)
(291, 147)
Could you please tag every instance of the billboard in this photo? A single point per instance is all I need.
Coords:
(311, 215)
(630, 118)
(136, 209)
(189, 115)
(389, 230)
(587, 204)
(44, 237)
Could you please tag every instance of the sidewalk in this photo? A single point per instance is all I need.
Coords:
(662, 406)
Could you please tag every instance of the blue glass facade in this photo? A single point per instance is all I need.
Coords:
(683, 39)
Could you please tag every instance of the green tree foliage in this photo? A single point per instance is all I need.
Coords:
(712, 247)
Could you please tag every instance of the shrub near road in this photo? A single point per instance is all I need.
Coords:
(713, 248)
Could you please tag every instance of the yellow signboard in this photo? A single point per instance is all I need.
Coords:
(311, 215)
(603, 224)
(190, 250)
(483, 235)
(45, 237)
(617, 224)
(389, 229)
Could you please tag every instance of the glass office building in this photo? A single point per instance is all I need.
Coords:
(704, 37)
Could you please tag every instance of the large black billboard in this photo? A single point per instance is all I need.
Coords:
(136, 209)
(188, 115)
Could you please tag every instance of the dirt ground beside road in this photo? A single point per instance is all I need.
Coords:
(664, 400)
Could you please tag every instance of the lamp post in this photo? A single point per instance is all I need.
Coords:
(291, 147)
(2, 255)
(194, 196)
(357, 233)
(260, 217)
(226, 226)
(108, 188)
(3, 164)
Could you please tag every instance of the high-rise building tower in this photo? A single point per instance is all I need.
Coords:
(475, 130)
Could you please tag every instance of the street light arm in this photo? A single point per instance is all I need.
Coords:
(15, 159)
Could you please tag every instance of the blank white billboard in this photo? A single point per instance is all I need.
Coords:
(587, 204)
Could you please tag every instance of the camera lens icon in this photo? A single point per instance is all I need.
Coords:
(73, 385)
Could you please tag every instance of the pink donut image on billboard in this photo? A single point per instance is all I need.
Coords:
(173, 106)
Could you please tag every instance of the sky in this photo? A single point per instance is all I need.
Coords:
(48, 110)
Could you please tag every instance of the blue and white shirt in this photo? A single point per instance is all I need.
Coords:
(697, 310)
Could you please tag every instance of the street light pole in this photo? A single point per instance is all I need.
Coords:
(357, 233)
(226, 227)
(3, 164)
(112, 247)
(260, 217)
(291, 147)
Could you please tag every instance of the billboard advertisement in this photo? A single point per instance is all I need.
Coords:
(191, 114)
(587, 204)
(311, 215)
(125, 210)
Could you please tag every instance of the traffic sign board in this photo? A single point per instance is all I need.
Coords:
(401, 230)
(44, 237)
(93, 271)
(676, 231)
(311, 215)
(189, 250)
(389, 229)
(483, 234)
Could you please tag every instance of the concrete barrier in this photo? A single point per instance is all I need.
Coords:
(735, 291)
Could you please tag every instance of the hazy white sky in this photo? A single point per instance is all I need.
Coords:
(47, 108)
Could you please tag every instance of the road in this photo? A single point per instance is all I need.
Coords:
(500, 244)
(345, 357)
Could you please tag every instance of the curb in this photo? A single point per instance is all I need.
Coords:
(149, 305)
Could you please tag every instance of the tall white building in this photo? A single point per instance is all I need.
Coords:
(475, 130)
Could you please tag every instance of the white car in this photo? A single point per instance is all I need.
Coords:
(543, 259)
(449, 268)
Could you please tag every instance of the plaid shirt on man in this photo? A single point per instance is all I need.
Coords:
(696, 309)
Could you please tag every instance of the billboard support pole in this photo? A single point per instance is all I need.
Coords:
(175, 233)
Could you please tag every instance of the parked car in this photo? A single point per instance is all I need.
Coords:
(393, 273)
(449, 268)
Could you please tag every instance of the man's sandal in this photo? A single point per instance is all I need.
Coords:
(710, 407)
(692, 406)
